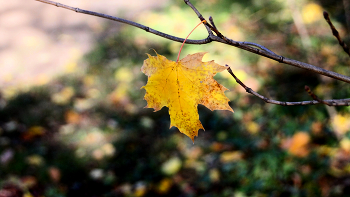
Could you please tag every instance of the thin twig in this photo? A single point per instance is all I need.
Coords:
(308, 90)
(212, 22)
(346, 4)
(281, 59)
(253, 48)
(199, 16)
(147, 29)
(334, 102)
(285, 60)
(336, 33)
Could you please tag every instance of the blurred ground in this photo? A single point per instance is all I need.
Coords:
(40, 41)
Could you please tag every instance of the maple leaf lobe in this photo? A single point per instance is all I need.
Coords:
(181, 86)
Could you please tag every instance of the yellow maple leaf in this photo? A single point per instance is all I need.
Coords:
(181, 86)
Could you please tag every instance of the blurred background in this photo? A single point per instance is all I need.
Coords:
(72, 116)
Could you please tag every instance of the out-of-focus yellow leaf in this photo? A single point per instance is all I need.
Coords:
(181, 86)
(171, 166)
(140, 190)
(345, 144)
(199, 166)
(72, 117)
(311, 13)
(35, 160)
(63, 96)
(93, 138)
(326, 150)
(119, 96)
(214, 175)
(252, 127)
(316, 128)
(164, 185)
(27, 194)
(33, 132)
(93, 93)
(217, 146)
(82, 104)
(231, 156)
(299, 142)
(108, 149)
(194, 152)
(89, 80)
(123, 75)
(341, 124)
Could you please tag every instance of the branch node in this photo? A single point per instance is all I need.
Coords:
(308, 90)
(281, 59)
(208, 39)
(202, 19)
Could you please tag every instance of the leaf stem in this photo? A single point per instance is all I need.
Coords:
(178, 56)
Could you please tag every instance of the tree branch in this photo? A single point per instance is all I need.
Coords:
(336, 33)
(247, 46)
(333, 102)
(267, 53)
(147, 29)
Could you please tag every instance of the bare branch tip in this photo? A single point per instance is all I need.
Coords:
(307, 88)
(212, 22)
(325, 15)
